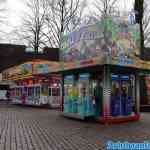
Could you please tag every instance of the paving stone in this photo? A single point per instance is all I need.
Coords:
(27, 128)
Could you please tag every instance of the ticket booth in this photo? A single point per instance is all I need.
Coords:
(104, 64)
(109, 95)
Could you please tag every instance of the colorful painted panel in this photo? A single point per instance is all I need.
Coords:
(41, 68)
(111, 41)
(26, 68)
(30, 68)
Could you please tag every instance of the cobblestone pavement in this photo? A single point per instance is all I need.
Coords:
(26, 128)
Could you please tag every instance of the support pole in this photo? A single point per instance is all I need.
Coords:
(137, 102)
(62, 93)
(106, 92)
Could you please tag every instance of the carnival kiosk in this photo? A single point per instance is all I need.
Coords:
(101, 67)
(34, 85)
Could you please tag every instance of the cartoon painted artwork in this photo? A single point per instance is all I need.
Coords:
(42, 68)
(110, 39)
(30, 68)
(26, 68)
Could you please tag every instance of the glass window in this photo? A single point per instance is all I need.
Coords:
(20, 91)
(37, 91)
(49, 92)
(68, 85)
(17, 91)
(30, 91)
(84, 88)
(44, 89)
(55, 91)
(67, 89)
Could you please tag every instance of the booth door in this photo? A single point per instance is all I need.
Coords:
(97, 93)
(55, 97)
(85, 100)
(21, 94)
(31, 94)
(122, 95)
(37, 90)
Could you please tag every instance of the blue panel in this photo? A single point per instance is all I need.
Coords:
(84, 76)
(69, 79)
(124, 77)
(114, 77)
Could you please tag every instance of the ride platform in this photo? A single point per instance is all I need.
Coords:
(120, 119)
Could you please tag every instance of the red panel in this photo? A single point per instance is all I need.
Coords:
(114, 120)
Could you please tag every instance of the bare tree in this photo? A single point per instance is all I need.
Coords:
(78, 17)
(33, 24)
(46, 20)
(142, 8)
(63, 16)
(139, 9)
(105, 8)
(146, 23)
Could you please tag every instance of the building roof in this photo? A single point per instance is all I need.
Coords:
(11, 55)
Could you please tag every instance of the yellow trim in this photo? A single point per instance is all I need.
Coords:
(18, 77)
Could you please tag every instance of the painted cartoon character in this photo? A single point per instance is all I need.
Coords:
(123, 46)
(83, 48)
(114, 49)
(91, 50)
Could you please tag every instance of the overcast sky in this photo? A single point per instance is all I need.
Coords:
(15, 9)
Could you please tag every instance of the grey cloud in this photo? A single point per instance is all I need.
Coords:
(3, 1)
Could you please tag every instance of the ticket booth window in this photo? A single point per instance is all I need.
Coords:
(122, 95)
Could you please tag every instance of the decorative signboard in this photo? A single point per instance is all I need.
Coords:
(12, 73)
(26, 68)
(110, 41)
(46, 67)
(41, 68)
(30, 68)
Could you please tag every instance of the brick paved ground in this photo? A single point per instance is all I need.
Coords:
(26, 128)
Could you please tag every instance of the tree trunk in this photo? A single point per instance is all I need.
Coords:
(142, 39)
(138, 7)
